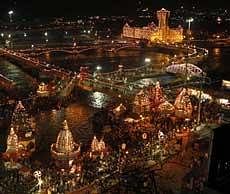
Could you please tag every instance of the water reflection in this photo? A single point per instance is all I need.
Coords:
(49, 123)
(108, 61)
(216, 52)
(22, 80)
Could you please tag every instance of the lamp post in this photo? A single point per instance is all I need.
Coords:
(10, 13)
(98, 71)
(189, 21)
(46, 37)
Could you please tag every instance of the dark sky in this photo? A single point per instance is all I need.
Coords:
(93, 7)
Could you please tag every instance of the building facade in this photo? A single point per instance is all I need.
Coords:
(153, 33)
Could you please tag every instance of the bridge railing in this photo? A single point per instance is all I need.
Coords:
(35, 63)
(103, 86)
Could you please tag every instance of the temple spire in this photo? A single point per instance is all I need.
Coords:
(65, 148)
(65, 142)
(12, 142)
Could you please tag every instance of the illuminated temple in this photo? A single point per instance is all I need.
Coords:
(153, 33)
(12, 142)
(97, 147)
(65, 148)
(183, 105)
(23, 126)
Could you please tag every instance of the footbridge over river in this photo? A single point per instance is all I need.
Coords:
(76, 50)
(119, 82)
(34, 63)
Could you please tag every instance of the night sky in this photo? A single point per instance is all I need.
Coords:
(48, 8)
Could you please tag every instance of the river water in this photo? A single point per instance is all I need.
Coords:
(77, 114)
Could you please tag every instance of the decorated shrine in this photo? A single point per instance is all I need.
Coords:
(65, 149)
(141, 103)
(183, 105)
(23, 126)
(98, 148)
(166, 108)
(156, 95)
(43, 90)
(14, 151)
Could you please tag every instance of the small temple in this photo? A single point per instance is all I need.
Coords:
(43, 90)
(98, 148)
(22, 124)
(65, 149)
(183, 105)
(166, 108)
(12, 142)
(141, 102)
(13, 152)
(156, 95)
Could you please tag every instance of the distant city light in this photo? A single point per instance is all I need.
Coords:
(25, 35)
(147, 60)
(190, 20)
(11, 12)
(98, 67)
(9, 36)
(2, 34)
(46, 33)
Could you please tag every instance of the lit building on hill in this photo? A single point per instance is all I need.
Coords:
(153, 33)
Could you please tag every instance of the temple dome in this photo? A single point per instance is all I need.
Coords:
(166, 108)
(65, 148)
(65, 142)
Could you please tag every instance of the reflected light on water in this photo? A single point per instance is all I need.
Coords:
(47, 56)
(216, 51)
(98, 99)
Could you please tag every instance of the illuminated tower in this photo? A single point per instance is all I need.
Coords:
(163, 16)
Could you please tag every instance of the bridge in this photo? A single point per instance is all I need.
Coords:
(113, 47)
(186, 69)
(116, 82)
(6, 83)
(35, 63)
(121, 81)
(65, 88)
